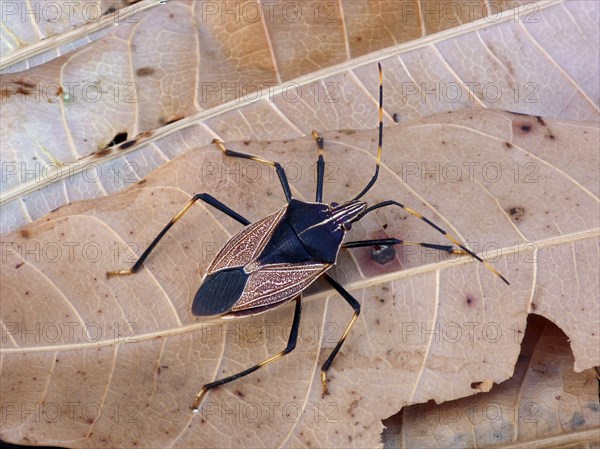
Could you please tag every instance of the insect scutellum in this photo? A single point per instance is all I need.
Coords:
(273, 260)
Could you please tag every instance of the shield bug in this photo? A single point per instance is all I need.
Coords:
(271, 261)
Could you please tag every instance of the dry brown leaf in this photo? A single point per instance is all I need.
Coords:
(304, 26)
(236, 78)
(551, 47)
(431, 328)
(544, 405)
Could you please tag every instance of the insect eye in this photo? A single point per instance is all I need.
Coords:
(334, 204)
(347, 226)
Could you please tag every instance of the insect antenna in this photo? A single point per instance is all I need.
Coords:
(320, 166)
(379, 148)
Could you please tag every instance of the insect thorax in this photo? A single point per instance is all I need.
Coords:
(311, 231)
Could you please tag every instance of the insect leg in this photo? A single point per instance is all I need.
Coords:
(289, 348)
(278, 168)
(356, 306)
(437, 228)
(320, 167)
(200, 196)
(391, 241)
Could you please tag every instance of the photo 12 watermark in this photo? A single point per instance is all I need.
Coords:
(250, 92)
(68, 332)
(71, 12)
(117, 172)
(475, 412)
(329, 12)
(270, 11)
(470, 91)
(459, 332)
(69, 411)
(470, 171)
(69, 92)
(244, 411)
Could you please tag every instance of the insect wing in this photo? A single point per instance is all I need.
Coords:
(245, 246)
(272, 284)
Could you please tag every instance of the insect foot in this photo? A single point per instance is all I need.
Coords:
(110, 274)
(324, 384)
(198, 400)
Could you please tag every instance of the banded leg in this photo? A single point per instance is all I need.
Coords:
(289, 348)
(200, 196)
(437, 228)
(356, 306)
(278, 168)
(391, 241)
(320, 167)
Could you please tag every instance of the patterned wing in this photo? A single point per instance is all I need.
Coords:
(246, 245)
(271, 284)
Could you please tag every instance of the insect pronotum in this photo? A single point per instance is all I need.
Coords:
(286, 251)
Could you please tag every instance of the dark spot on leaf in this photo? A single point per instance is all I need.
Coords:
(142, 181)
(382, 254)
(395, 117)
(540, 120)
(577, 420)
(470, 300)
(19, 265)
(102, 153)
(240, 394)
(111, 10)
(25, 234)
(120, 137)
(526, 128)
(126, 145)
(517, 213)
(508, 144)
(22, 87)
(145, 71)
(171, 119)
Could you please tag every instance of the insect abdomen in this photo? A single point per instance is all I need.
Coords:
(219, 292)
